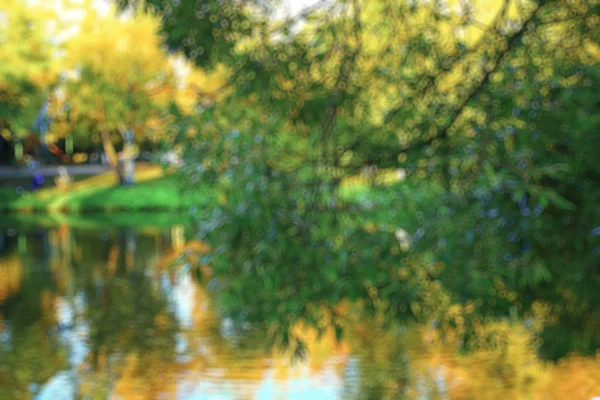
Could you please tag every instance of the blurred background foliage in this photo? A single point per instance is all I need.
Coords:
(489, 109)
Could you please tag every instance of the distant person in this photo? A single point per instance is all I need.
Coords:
(37, 180)
(63, 179)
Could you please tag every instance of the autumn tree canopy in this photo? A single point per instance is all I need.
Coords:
(490, 109)
(27, 64)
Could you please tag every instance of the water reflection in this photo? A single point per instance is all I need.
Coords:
(97, 313)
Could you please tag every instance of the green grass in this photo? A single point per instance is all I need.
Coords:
(10, 199)
(165, 193)
(158, 192)
(153, 192)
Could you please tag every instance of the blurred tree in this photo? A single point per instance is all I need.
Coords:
(491, 109)
(121, 82)
(28, 67)
(204, 31)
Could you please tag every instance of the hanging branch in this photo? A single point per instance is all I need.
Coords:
(512, 42)
(493, 29)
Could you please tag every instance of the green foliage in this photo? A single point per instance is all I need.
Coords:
(203, 31)
(498, 132)
(26, 66)
(530, 218)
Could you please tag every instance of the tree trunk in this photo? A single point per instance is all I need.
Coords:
(111, 154)
(109, 149)
(127, 161)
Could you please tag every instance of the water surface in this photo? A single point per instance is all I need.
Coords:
(104, 311)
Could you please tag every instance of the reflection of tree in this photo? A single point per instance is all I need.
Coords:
(383, 368)
(578, 378)
(236, 355)
(30, 356)
(221, 348)
(453, 349)
(26, 304)
(30, 352)
(416, 361)
(131, 328)
(126, 310)
(11, 276)
(62, 263)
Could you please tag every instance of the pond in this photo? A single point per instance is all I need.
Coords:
(105, 310)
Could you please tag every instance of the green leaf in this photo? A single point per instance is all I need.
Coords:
(560, 201)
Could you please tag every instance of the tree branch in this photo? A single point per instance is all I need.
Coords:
(443, 133)
(493, 28)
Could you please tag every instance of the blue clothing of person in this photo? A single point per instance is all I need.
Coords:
(37, 181)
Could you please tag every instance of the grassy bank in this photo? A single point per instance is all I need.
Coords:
(154, 191)
(157, 191)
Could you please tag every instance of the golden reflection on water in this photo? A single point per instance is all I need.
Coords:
(190, 354)
(11, 274)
